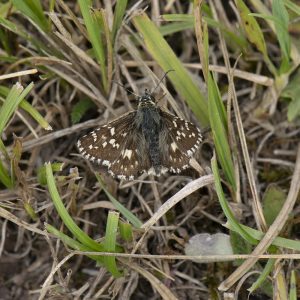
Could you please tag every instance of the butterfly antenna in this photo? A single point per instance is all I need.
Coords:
(161, 80)
(125, 88)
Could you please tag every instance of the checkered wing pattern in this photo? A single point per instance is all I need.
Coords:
(118, 146)
(128, 149)
(182, 138)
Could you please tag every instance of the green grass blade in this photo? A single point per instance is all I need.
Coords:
(63, 213)
(175, 27)
(13, 99)
(5, 177)
(29, 109)
(218, 123)
(34, 11)
(110, 242)
(293, 286)
(73, 243)
(4, 151)
(278, 241)
(269, 267)
(225, 207)
(188, 18)
(125, 231)
(41, 173)
(254, 33)
(282, 32)
(118, 206)
(94, 32)
(292, 6)
(4, 42)
(166, 58)
(252, 28)
(14, 28)
(80, 108)
(187, 22)
(119, 12)
(35, 115)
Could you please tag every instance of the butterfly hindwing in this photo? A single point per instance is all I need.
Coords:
(184, 134)
(181, 141)
(133, 158)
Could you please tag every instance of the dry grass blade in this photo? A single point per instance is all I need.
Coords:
(187, 190)
(157, 285)
(256, 201)
(12, 218)
(48, 281)
(17, 74)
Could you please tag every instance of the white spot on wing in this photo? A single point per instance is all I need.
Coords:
(127, 153)
(94, 135)
(106, 163)
(174, 146)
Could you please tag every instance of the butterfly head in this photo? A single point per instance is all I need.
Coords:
(146, 100)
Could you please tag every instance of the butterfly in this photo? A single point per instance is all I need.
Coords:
(147, 139)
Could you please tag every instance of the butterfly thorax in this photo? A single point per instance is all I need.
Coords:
(148, 121)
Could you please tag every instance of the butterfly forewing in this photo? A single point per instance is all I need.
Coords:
(117, 145)
(104, 144)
